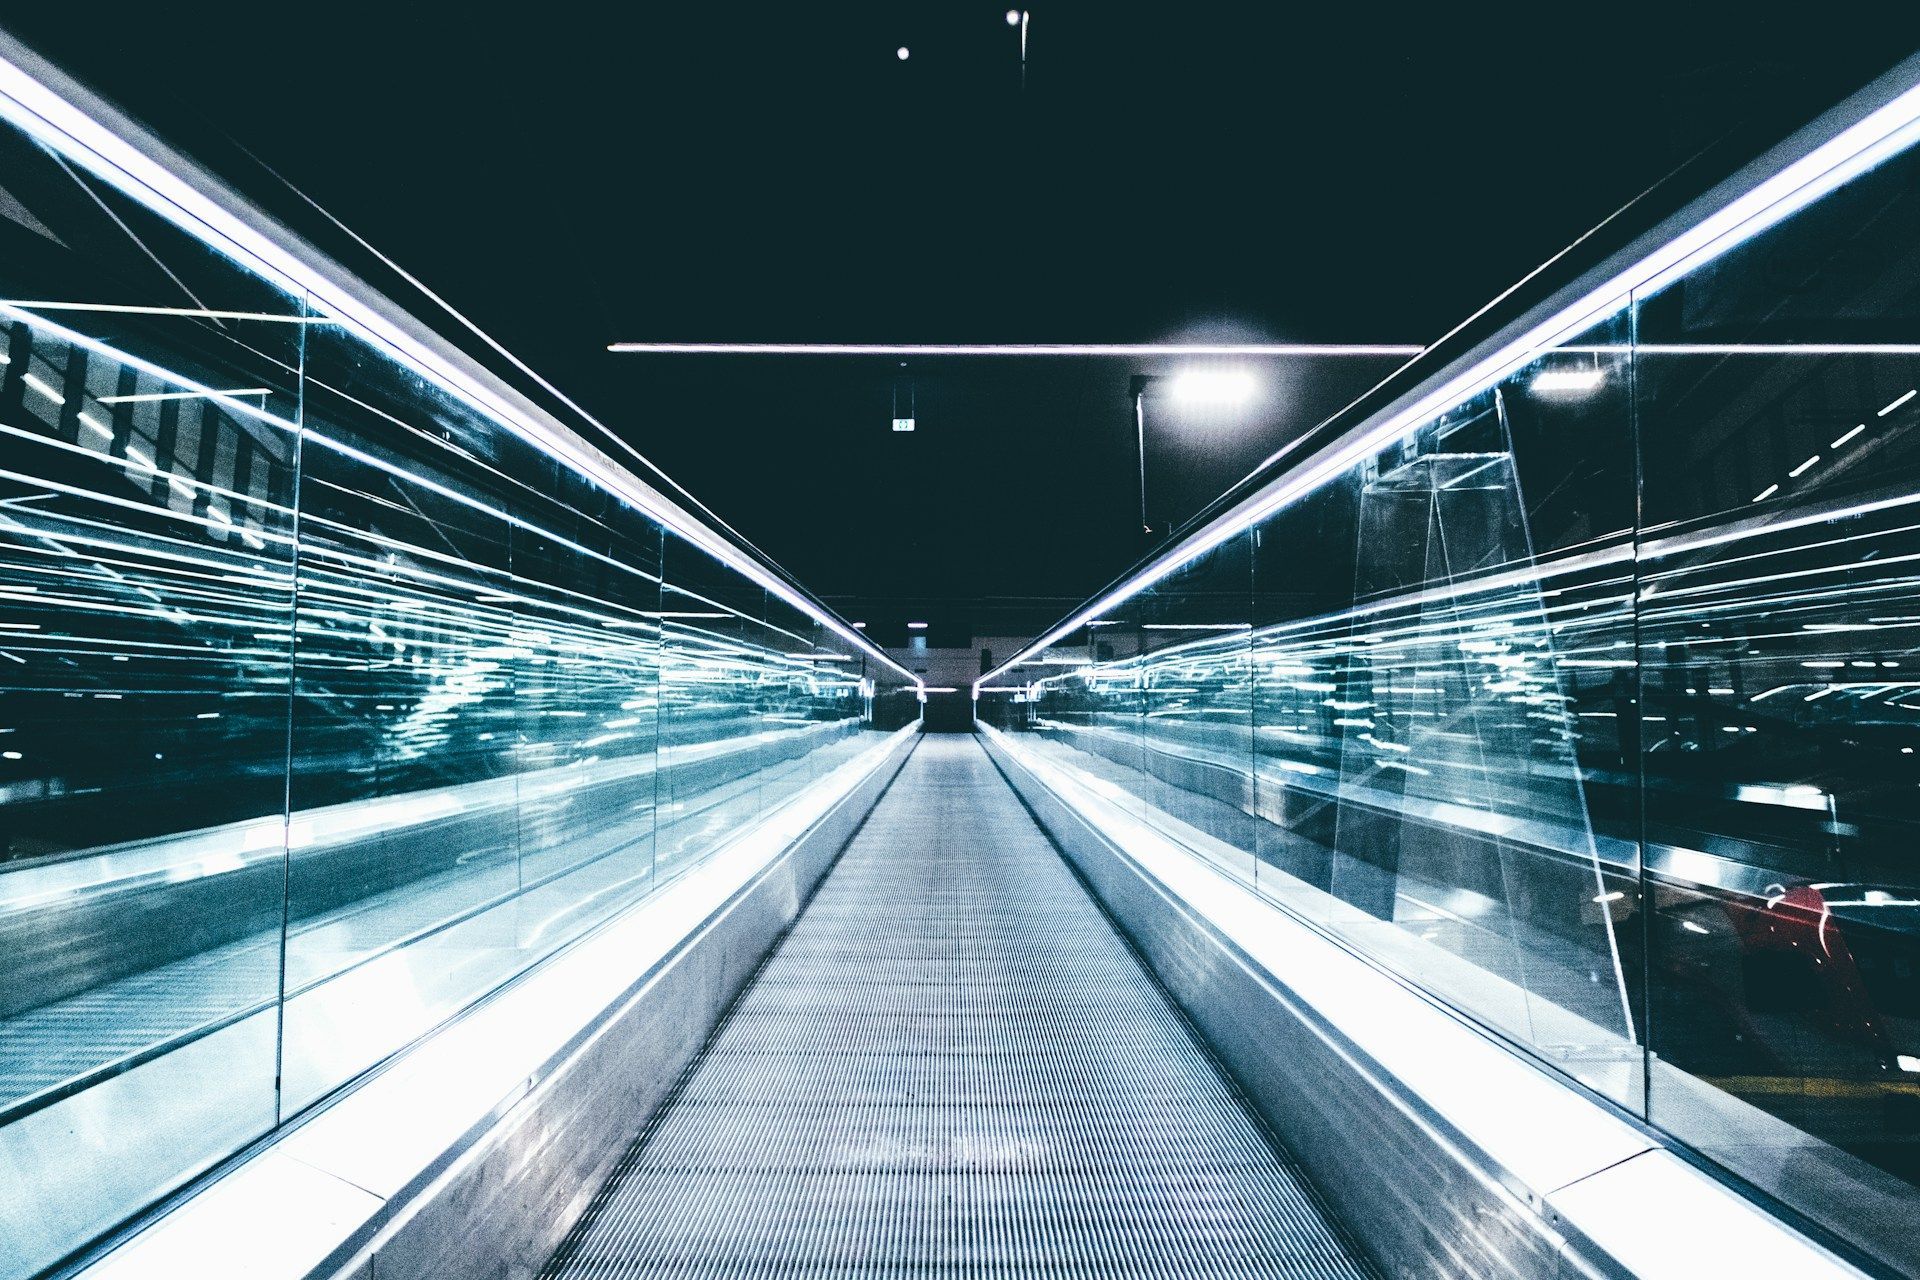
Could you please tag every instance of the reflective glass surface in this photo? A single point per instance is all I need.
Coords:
(1588, 706)
(327, 705)
(1777, 628)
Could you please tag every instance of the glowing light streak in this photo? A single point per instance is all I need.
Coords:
(1132, 350)
(146, 397)
(1569, 381)
(38, 385)
(142, 170)
(123, 308)
(1822, 167)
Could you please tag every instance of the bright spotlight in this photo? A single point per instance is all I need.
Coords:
(901, 53)
(1213, 386)
(1574, 381)
(1013, 17)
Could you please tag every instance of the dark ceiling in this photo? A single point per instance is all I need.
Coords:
(571, 174)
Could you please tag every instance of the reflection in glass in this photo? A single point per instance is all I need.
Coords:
(148, 462)
(1384, 734)
(327, 705)
(1777, 623)
(1588, 706)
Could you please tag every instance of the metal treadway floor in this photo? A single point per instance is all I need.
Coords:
(953, 1065)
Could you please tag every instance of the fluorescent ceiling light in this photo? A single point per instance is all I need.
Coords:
(916, 626)
(1564, 380)
(186, 395)
(120, 153)
(1825, 164)
(1136, 349)
(122, 308)
(1213, 386)
(1757, 348)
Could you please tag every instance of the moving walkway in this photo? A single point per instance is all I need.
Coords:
(954, 1064)
(434, 845)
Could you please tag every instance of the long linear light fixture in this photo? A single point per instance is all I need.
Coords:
(1275, 349)
(146, 396)
(1743, 349)
(124, 156)
(1014, 349)
(197, 313)
(1875, 136)
(1308, 350)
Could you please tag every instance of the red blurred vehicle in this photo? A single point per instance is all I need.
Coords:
(1845, 960)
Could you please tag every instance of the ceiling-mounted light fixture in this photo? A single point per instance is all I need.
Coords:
(1573, 381)
(1213, 386)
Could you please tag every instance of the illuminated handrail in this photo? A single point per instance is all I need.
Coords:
(1875, 124)
(50, 107)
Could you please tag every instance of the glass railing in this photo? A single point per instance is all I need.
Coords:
(329, 700)
(1582, 688)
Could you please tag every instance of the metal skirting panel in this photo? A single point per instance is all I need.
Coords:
(503, 1206)
(954, 1066)
(1415, 1199)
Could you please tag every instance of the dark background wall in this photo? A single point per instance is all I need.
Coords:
(572, 174)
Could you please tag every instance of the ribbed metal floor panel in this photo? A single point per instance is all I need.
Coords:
(953, 1066)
